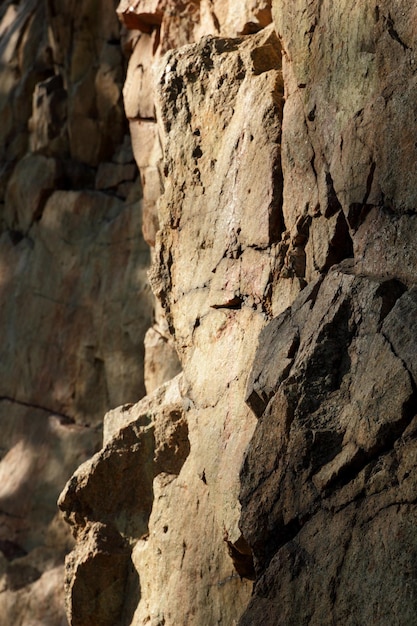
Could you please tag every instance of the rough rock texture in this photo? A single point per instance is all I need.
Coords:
(75, 304)
(328, 490)
(211, 272)
(334, 386)
(259, 202)
(277, 440)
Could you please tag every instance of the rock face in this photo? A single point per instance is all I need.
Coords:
(75, 304)
(333, 384)
(283, 263)
(327, 487)
(267, 477)
(211, 272)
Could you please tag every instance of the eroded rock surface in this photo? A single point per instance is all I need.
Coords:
(328, 494)
(279, 206)
(327, 472)
(73, 267)
(212, 275)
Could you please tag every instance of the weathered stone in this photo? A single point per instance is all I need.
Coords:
(142, 14)
(141, 441)
(215, 286)
(111, 175)
(328, 488)
(233, 19)
(31, 184)
(24, 61)
(97, 572)
(161, 359)
(48, 121)
(38, 452)
(324, 477)
(333, 159)
(138, 90)
(72, 265)
(83, 358)
(328, 423)
(93, 66)
(214, 158)
(384, 245)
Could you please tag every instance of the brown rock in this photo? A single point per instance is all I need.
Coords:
(141, 441)
(72, 265)
(141, 14)
(80, 378)
(326, 442)
(31, 184)
(48, 121)
(97, 574)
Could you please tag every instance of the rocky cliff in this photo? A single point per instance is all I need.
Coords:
(75, 304)
(268, 474)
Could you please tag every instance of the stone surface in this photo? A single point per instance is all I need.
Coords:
(333, 449)
(75, 305)
(328, 498)
(141, 441)
(350, 76)
(212, 266)
(277, 195)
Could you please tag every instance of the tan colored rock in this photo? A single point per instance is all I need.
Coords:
(161, 359)
(216, 285)
(232, 18)
(141, 441)
(73, 265)
(327, 487)
(141, 14)
(138, 93)
(40, 602)
(165, 25)
(103, 561)
(214, 159)
(38, 452)
(111, 175)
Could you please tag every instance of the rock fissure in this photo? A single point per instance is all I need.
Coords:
(65, 419)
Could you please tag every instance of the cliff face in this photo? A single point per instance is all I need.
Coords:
(328, 482)
(75, 304)
(261, 198)
(268, 475)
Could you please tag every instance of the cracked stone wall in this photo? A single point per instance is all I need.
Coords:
(328, 486)
(268, 474)
(271, 481)
(75, 304)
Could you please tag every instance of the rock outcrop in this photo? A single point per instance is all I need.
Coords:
(328, 493)
(284, 225)
(267, 477)
(211, 272)
(75, 304)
